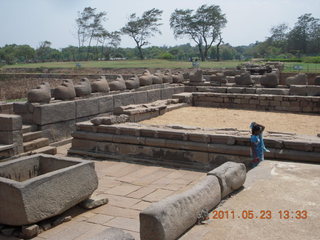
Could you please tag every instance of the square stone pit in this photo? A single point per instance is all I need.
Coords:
(41, 186)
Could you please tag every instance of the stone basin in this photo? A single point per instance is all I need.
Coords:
(41, 186)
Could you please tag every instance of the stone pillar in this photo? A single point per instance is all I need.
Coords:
(11, 131)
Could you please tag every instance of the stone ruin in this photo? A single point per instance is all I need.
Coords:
(103, 117)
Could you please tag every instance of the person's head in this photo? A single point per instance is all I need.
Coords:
(255, 130)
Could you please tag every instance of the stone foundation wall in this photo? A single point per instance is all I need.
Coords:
(58, 118)
(303, 104)
(6, 108)
(184, 147)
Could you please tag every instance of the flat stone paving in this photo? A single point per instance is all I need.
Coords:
(130, 188)
(273, 186)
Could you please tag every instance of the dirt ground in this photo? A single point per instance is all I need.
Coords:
(306, 124)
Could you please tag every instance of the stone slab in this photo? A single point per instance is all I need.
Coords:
(54, 112)
(10, 122)
(87, 107)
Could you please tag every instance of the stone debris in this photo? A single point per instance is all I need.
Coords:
(94, 202)
(31, 231)
(299, 79)
(109, 119)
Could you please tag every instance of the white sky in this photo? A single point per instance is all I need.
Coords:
(33, 21)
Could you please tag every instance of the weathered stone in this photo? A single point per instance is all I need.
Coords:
(100, 85)
(273, 91)
(54, 112)
(118, 84)
(146, 78)
(231, 176)
(94, 202)
(31, 231)
(243, 79)
(157, 77)
(183, 97)
(317, 80)
(41, 94)
(171, 217)
(177, 77)
(86, 107)
(299, 90)
(299, 79)
(83, 88)
(167, 77)
(113, 234)
(54, 185)
(105, 104)
(196, 76)
(109, 119)
(313, 90)
(10, 122)
(123, 99)
(65, 91)
(61, 219)
(133, 83)
(270, 80)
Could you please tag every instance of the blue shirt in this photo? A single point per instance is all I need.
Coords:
(258, 146)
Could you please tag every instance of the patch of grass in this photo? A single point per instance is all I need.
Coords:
(152, 63)
(306, 67)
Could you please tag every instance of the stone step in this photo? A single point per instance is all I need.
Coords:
(27, 137)
(47, 150)
(26, 128)
(35, 144)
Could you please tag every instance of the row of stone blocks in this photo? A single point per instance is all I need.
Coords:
(58, 118)
(178, 148)
(259, 102)
(296, 90)
(168, 219)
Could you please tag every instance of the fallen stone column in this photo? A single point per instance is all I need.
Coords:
(231, 176)
(171, 217)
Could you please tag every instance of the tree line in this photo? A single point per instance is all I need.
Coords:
(202, 26)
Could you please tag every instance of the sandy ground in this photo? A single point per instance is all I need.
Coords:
(307, 124)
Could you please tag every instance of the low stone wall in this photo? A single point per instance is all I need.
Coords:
(303, 104)
(58, 118)
(185, 147)
(6, 108)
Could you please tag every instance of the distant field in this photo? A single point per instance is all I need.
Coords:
(154, 63)
(157, 63)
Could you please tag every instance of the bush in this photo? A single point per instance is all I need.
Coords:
(167, 56)
(284, 60)
(312, 59)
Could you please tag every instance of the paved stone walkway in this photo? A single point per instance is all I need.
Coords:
(130, 188)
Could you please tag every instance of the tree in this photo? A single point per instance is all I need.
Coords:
(304, 34)
(89, 25)
(203, 27)
(42, 52)
(142, 28)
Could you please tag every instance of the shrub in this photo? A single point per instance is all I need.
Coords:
(167, 56)
(312, 59)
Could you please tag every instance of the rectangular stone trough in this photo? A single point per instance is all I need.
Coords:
(40, 186)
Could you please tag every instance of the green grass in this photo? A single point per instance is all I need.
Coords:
(306, 67)
(157, 63)
(153, 63)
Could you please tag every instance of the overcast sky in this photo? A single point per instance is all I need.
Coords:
(33, 21)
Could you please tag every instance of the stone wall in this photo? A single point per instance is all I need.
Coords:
(58, 118)
(301, 104)
(184, 147)
(6, 108)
